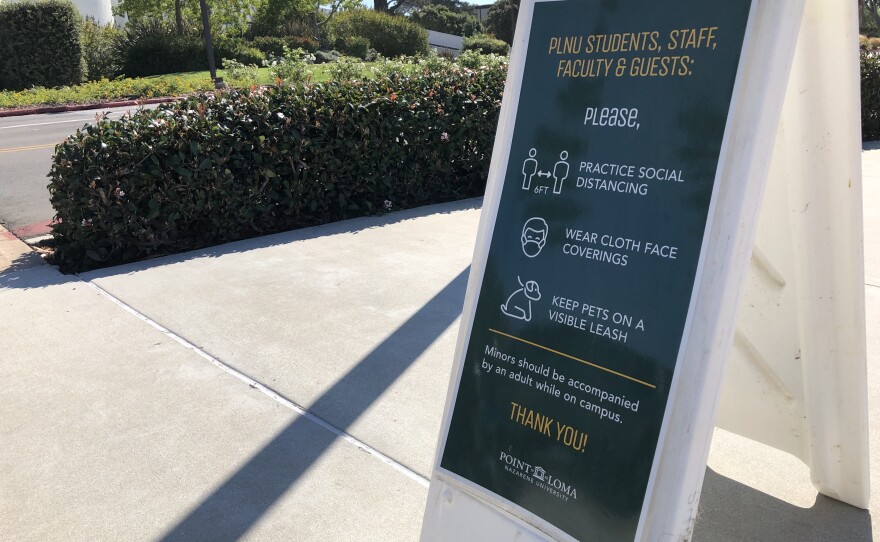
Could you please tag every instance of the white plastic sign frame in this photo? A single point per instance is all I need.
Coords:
(458, 510)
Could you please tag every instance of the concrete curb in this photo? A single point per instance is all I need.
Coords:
(82, 107)
(15, 255)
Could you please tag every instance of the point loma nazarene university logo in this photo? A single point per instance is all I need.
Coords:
(538, 477)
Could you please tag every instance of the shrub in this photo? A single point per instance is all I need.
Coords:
(271, 46)
(40, 45)
(870, 83)
(237, 49)
(305, 43)
(240, 75)
(346, 69)
(442, 19)
(324, 57)
(99, 50)
(94, 91)
(433, 63)
(356, 46)
(397, 67)
(153, 47)
(474, 59)
(390, 36)
(485, 44)
(501, 19)
(225, 166)
(292, 67)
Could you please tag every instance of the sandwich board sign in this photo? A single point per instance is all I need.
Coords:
(629, 163)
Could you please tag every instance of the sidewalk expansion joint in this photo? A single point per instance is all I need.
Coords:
(277, 397)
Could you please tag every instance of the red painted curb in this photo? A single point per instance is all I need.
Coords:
(81, 107)
(33, 230)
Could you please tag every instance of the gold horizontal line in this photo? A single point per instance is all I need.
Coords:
(29, 148)
(585, 362)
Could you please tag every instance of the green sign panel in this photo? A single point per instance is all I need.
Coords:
(593, 256)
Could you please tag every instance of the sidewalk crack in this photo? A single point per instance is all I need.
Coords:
(266, 390)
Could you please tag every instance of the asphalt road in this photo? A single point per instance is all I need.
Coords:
(26, 147)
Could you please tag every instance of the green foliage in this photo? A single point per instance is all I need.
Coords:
(390, 36)
(397, 67)
(273, 46)
(229, 16)
(442, 19)
(292, 67)
(474, 60)
(433, 63)
(501, 19)
(153, 47)
(237, 49)
(870, 67)
(302, 42)
(96, 91)
(240, 75)
(869, 17)
(356, 46)
(485, 44)
(276, 16)
(346, 69)
(227, 166)
(99, 50)
(40, 44)
(325, 57)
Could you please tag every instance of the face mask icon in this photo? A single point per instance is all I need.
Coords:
(534, 236)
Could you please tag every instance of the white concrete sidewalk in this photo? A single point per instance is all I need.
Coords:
(163, 400)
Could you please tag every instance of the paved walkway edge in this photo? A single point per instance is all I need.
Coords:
(15, 255)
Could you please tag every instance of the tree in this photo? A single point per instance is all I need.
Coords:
(397, 7)
(279, 17)
(442, 19)
(869, 16)
(233, 16)
(501, 19)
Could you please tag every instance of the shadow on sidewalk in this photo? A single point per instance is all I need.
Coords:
(353, 225)
(731, 512)
(239, 503)
(29, 271)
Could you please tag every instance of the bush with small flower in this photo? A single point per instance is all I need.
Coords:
(347, 69)
(235, 164)
(292, 67)
(240, 75)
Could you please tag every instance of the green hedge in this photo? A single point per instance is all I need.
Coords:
(485, 44)
(273, 47)
(153, 47)
(40, 45)
(870, 68)
(390, 36)
(222, 167)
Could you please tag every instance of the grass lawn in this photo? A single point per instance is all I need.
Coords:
(174, 84)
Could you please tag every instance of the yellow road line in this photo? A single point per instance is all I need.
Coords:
(29, 148)
(563, 354)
